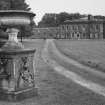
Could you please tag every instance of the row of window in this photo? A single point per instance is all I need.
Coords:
(79, 35)
(73, 35)
(81, 27)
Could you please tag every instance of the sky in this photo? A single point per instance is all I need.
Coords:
(40, 7)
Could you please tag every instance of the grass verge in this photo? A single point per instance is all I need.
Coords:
(87, 52)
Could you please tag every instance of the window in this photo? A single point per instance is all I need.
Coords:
(67, 27)
(77, 35)
(83, 27)
(70, 27)
(73, 27)
(62, 27)
(83, 35)
(72, 35)
(97, 27)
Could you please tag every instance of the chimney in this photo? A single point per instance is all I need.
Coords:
(90, 17)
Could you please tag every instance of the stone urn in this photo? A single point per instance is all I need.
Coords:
(17, 71)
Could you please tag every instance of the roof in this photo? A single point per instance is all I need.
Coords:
(83, 20)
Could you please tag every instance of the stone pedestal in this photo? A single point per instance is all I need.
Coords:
(17, 71)
(17, 74)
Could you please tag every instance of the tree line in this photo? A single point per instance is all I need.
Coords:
(54, 20)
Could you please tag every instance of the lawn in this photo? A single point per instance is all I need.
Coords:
(88, 52)
(54, 89)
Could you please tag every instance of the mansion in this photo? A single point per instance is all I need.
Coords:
(83, 28)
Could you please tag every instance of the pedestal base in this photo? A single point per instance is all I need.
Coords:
(19, 95)
(17, 74)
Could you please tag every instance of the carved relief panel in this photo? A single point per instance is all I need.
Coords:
(25, 72)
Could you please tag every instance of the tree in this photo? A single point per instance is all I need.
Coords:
(52, 20)
(17, 5)
(14, 5)
(48, 20)
(62, 17)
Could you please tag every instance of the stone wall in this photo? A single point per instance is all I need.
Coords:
(51, 32)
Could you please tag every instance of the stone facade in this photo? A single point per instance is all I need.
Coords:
(50, 32)
(84, 28)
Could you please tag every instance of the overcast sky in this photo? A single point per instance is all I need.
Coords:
(40, 7)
